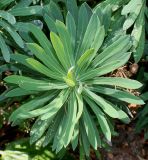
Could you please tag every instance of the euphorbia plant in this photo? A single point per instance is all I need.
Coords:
(71, 96)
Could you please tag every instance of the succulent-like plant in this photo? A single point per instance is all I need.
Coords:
(71, 95)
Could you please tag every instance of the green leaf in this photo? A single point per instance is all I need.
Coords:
(82, 62)
(85, 141)
(21, 59)
(19, 92)
(45, 58)
(31, 105)
(50, 23)
(49, 110)
(131, 6)
(4, 3)
(10, 67)
(22, 3)
(36, 65)
(71, 120)
(38, 129)
(83, 20)
(73, 9)
(107, 68)
(106, 107)
(52, 129)
(66, 41)
(58, 145)
(110, 109)
(59, 48)
(80, 106)
(71, 27)
(75, 137)
(12, 33)
(89, 35)
(123, 44)
(144, 96)
(98, 40)
(117, 81)
(140, 48)
(26, 11)
(101, 119)
(7, 16)
(106, 20)
(53, 107)
(53, 10)
(4, 49)
(42, 39)
(89, 128)
(34, 85)
(121, 95)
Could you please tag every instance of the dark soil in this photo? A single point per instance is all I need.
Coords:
(128, 145)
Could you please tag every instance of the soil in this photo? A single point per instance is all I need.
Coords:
(128, 145)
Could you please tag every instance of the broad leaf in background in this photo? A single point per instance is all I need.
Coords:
(134, 11)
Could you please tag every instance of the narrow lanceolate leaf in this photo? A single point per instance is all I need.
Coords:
(83, 20)
(83, 60)
(59, 48)
(7, 16)
(50, 23)
(71, 120)
(12, 33)
(4, 3)
(57, 144)
(19, 92)
(31, 105)
(123, 44)
(71, 27)
(138, 34)
(48, 110)
(36, 65)
(53, 10)
(66, 41)
(107, 107)
(80, 106)
(90, 131)
(107, 68)
(22, 3)
(42, 39)
(38, 129)
(75, 137)
(98, 40)
(4, 49)
(89, 35)
(73, 9)
(20, 58)
(101, 119)
(110, 109)
(85, 140)
(34, 85)
(121, 95)
(45, 58)
(56, 104)
(52, 129)
(26, 11)
(117, 81)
